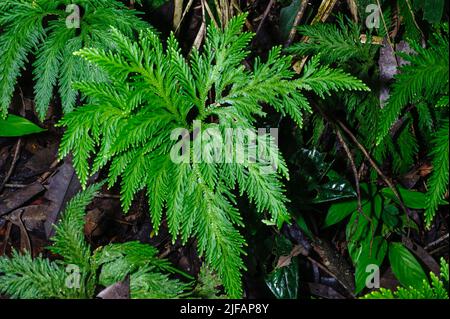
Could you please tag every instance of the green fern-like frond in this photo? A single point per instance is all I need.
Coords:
(405, 150)
(140, 261)
(438, 182)
(340, 41)
(145, 284)
(208, 286)
(26, 31)
(322, 79)
(22, 31)
(423, 79)
(151, 93)
(27, 278)
(75, 276)
(131, 255)
(68, 240)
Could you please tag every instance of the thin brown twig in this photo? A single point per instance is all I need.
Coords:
(110, 196)
(18, 146)
(371, 161)
(414, 19)
(354, 170)
(358, 189)
(388, 37)
(374, 165)
(353, 7)
(297, 20)
(265, 14)
(436, 242)
(47, 174)
(15, 185)
(13, 164)
(201, 32)
(355, 173)
(357, 186)
(186, 10)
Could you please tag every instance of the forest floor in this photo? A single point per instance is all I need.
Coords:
(35, 187)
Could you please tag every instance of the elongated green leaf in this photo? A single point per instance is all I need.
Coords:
(405, 266)
(391, 216)
(17, 126)
(339, 211)
(372, 252)
(411, 199)
(359, 226)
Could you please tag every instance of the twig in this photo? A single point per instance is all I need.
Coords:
(356, 176)
(353, 10)
(186, 10)
(371, 161)
(201, 32)
(13, 164)
(211, 15)
(15, 186)
(265, 14)
(414, 19)
(46, 175)
(297, 19)
(325, 9)
(436, 242)
(358, 189)
(354, 170)
(100, 195)
(388, 37)
(374, 165)
(177, 13)
(350, 157)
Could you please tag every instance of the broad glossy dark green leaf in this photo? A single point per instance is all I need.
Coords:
(311, 166)
(391, 216)
(284, 281)
(336, 188)
(405, 266)
(339, 211)
(377, 206)
(14, 126)
(411, 199)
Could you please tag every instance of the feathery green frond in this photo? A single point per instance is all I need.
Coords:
(43, 28)
(438, 182)
(425, 77)
(68, 240)
(323, 80)
(139, 118)
(146, 284)
(27, 278)
(341, 42)
(80, 271)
